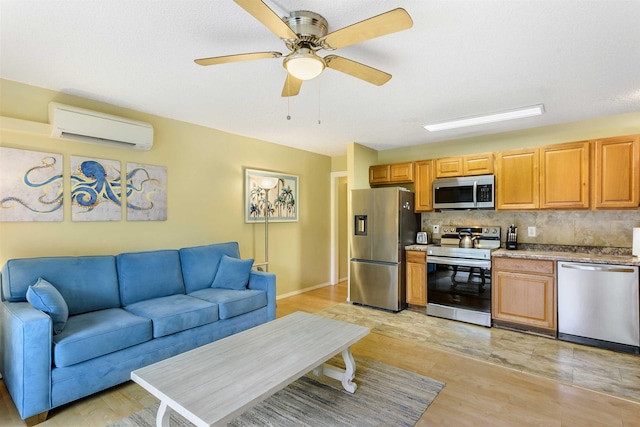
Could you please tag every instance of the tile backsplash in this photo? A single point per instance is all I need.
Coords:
(578, 228)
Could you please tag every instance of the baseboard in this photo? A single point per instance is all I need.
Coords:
(301, 291)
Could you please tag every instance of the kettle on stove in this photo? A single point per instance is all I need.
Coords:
(466, 239)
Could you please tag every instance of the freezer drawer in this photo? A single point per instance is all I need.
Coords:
(599, 302)
(377, 284)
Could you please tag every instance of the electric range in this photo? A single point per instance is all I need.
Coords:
(459, 278)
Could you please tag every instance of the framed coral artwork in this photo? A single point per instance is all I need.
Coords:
(281, 201)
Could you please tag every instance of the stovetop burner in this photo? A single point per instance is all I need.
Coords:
(486, 239)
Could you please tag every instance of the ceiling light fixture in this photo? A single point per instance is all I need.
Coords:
(304, 64)
(534, 110)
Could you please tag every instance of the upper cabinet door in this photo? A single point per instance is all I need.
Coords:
(564, 176)
(379, 174)
(424, 186)
(518, 179)
(391, 174)
(617, 172)
(402, 172)
(478, 164)
(449, 167)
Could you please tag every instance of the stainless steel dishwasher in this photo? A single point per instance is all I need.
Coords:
(598, 304)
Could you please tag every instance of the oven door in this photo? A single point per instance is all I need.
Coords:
(459, 283)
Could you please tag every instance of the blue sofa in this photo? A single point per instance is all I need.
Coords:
(124, 312)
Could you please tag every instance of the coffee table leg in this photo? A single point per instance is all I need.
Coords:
(162, 419)
(345, 376)
(350, 371)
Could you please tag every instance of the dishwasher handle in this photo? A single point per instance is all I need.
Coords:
(599, 268)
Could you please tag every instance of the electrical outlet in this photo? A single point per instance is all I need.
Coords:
(436, 229)
(531, 232)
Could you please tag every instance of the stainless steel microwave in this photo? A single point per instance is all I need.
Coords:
(465, 192)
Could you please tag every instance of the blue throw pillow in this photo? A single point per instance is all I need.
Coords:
(45, 297)
(233, 273)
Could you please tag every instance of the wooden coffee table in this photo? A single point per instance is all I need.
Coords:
(215, 383)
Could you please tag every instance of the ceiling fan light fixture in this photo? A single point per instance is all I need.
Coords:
(304, 64)
(534, 110)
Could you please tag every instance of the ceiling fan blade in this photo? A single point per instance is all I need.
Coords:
(268, 17)
(356, 69)
(380, 25)
(291, 86)
(235, 58)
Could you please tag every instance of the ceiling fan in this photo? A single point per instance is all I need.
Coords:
(305, 33)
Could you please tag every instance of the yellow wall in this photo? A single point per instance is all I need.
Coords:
(205, 175)
(624, 124)
(339, 163)
(359, 158)
(343, 243)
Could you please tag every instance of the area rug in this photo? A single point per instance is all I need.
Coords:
(600, 370)
(386, 396)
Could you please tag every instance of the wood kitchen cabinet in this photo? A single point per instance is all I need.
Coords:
(449, 167)
(564, 176)
(379, 174)
(390, 174)
(617, 172)
(416, 277)
(476, 164)
(423, 186)
(524, 294)
(518, 179)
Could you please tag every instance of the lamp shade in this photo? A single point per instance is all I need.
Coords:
(268, 182)
(304, 64)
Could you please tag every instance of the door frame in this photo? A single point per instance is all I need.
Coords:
(335, 253)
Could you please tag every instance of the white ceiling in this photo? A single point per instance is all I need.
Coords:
(580, 58)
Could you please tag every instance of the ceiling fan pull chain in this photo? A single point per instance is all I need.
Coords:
(319, 101)
(288, 100)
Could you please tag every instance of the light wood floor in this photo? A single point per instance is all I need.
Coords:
(476, 393)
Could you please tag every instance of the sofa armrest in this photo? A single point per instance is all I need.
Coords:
(263, 281)
(25, 359)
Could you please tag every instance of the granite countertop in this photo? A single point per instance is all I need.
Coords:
(416, 247)
(590, 254)
(590, 257)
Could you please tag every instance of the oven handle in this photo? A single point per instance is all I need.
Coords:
(463, 262)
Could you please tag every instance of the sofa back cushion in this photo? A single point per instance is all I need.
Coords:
(86, 283)
(146, 275)
(200, 263)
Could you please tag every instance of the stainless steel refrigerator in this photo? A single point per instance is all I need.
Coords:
(383, 223)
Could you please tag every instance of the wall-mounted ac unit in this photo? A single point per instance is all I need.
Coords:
(83, 125)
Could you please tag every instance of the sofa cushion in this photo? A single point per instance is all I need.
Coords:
(45, 297)
(233, 273)
(233, 302)
(175, 313)
(90, 335)
(200, 263)
(87, 283)
(146, 275)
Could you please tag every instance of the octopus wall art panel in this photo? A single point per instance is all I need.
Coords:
(30, 185)
(96, 191)
(146, 192)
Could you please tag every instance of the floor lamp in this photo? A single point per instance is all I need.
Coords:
(267, 183)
